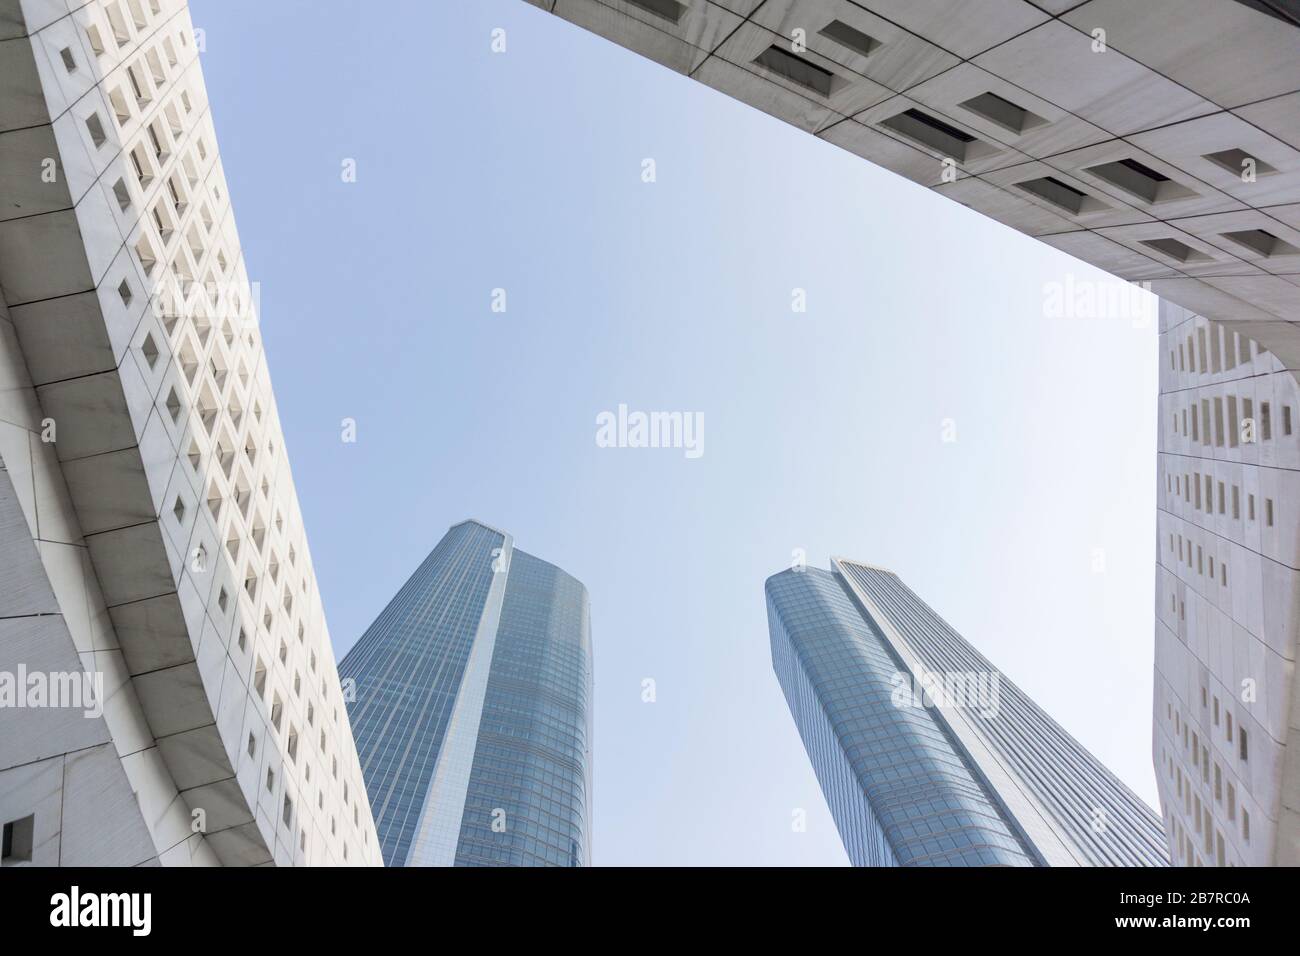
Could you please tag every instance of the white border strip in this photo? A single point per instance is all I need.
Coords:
(437, 832)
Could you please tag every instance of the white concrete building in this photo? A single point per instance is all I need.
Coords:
(1158, 140)
(149, 528)
(1226, 597)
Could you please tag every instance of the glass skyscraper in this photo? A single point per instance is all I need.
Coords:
(471, 709)
(926, 754)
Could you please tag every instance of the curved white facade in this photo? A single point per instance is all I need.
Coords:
(139, 432)
(1227, 591)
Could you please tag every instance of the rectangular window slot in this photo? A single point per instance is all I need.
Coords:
(1264, 243)
(120, 109)
(162, 221)
(141, 97)
(122, 195)
(1061, 195)
(1173, 249)
(850, 38)
(669, 10)
(17, 841)
(1003, 112)
(137, 14)
(1140, 180)
(797, 70)
(144, 250)
(174, 190)
(140, 162)
(1237, 161)
(155, 68)
(150, 350)
(118, 26)
(96, 130)
(243, 496)
(937, 135)
(174, 123)
(159, 151)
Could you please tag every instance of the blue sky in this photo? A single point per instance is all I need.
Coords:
(823, 429)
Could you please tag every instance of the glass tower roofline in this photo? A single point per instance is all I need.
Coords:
(473, 709)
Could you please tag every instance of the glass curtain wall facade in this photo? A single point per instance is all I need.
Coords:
(534, 739)
(919, 778)
(472, 709)
(897, 785)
